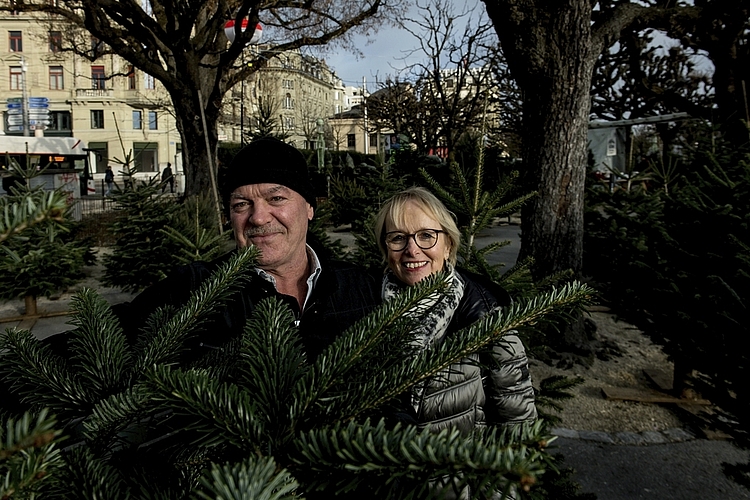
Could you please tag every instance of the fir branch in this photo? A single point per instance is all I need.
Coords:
(115, 413)
(39, 376)
(97, 343)
(88, 476)
(164, 347)
(28, 454)
(252, 479)
(271, 360)
(551, 390)
(429, 363)
(225, 412)
(345, 355)
(18, 213)
(493, 459)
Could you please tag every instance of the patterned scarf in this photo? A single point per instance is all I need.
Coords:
(439, 308)
(436, 312)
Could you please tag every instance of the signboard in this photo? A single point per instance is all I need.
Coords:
(37, 113)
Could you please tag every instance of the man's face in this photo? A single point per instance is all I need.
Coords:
(272, 217)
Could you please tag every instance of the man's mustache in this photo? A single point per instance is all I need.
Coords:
(262, 230)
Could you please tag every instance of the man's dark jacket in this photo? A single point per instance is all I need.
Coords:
(343, 294)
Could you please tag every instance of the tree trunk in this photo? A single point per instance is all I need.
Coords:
(195, 156)
(551, 55)
(555, 116)
(30, 304)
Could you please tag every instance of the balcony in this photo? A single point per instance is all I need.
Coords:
(95, 93)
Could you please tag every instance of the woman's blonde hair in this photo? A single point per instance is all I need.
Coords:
(393, 211)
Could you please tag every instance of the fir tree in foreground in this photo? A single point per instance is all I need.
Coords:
(259, 420)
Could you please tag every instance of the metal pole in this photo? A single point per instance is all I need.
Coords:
(242, 103)
(211, 170)
(24, 98)
(364, 109)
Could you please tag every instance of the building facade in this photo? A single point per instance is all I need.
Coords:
(118, 111)
(292, 91)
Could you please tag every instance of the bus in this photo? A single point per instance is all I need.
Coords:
(65, 158)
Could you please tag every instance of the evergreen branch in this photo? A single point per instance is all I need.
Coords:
(37, 375)
(494, 458)
(252, 479)
(446, 196)
(345, 355)
(551, 390)
(88, 476)
(482, 334)
(28, 454)
(115, 413)
(271, 360)
(98, 344)
(33, 208)
(224, 411)
(166, 345)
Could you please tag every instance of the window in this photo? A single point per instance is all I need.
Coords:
(100, 152)
(97, 118)
(289, 123)
(153, 124)
(288, 102)
(131, 78)
(351, 141)
(137, 120)
(98, 79)
(16, 78)
(15, 42)
(56, 78)
(145, 156)
(287, 84)
(55, 41)
(59, 120)
(373, 141)
(148, 82)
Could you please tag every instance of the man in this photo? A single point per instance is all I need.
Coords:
(167, 177)
(109, 179)
(271, 202)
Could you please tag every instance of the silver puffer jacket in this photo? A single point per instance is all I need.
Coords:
(489, 389)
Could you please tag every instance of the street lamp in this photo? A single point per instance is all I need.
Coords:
(230, 29)
(321, 144)
(24, 97)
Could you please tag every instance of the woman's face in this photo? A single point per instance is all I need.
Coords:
(413, 263)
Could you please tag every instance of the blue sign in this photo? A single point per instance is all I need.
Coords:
(38, 105)
(38, 99)
(14, 105)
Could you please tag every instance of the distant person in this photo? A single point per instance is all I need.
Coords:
(167, 177)
(109, 178)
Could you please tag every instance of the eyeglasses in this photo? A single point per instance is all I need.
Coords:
(424, 238)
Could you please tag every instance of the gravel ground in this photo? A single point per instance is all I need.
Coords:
(589, 410)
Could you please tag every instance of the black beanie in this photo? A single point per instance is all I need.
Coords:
(268, 160)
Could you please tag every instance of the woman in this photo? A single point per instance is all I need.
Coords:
(418, 237)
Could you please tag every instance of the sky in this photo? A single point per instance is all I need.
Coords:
(380, 56)
(382, 52)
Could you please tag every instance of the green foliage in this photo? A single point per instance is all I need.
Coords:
(38, 255)
(193, 231)
(357, 194)
(141, 255)
(677, 263)
(28, 455)
(258, 419)
(552, 390)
